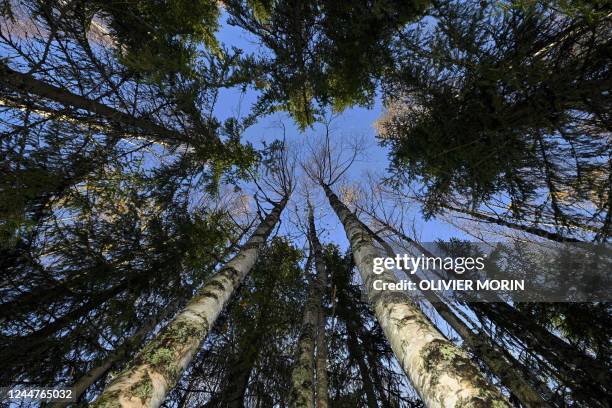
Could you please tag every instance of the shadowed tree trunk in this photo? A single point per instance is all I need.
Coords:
(157, 368)
(20, 82)
(301, 394)
(236, 380)
(441, 372)
(321, 387)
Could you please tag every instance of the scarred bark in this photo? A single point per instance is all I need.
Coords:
(441, 372)
(157, 368)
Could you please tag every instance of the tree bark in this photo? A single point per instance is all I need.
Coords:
(321, 387)
(440, 372)
(21, 82)
(157, 368)
(566, 359)
(302, 373)
(117, 355)
(500, 361)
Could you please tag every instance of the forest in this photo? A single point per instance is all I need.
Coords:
(194, 195)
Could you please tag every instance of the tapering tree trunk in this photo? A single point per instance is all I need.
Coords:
(500, 361)
(236, 380)
(321, 388)
(20, 82)
(301, 394)
(157, 368)
(118, 355)
(441, 372)
(588, 377)
(354, 330)
(566, 359)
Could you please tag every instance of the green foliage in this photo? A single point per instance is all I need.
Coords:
(499, 99)
(321, 53)
(158, 38)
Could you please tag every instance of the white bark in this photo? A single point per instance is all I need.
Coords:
(441, 372)
(157, 368)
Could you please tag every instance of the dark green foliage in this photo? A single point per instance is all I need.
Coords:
(503, 98)
(320, 53)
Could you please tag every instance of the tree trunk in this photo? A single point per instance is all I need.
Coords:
(500, 361)
(21, 82)
(321, 388)
(236, 380)
(537, 338)
(119, 354)
(157, 368)
(587, 376)
(302, 374)
(441, 372)
(355, 349)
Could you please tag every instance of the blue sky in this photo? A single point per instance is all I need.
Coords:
(354, 121)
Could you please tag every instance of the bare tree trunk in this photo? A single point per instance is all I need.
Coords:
(501, 363)
(321, 387)
(302, 374)
(157, 368)
(441, 372)
(553, 236)
(565, 359)
(20, 82)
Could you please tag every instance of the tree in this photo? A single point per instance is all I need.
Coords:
(158, 366)
(501, 101)
(433, 364)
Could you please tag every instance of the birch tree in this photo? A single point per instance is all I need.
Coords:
(441, 372)
(159, 365)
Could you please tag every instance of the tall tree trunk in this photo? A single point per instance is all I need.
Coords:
(511, 373)
(354, 324)
(119, 354)
(441, 372)
(20, 82)
(321, 388)
(157, 368)
(588, 377)
(302, 373)
(236, 380)
(564, 357)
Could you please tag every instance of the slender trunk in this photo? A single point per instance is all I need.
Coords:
(21, 82)
(321, 388)
(157, 368)
(355, 349)
(441, 372)
(236, 380)
(302, 374)
(588, 377)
